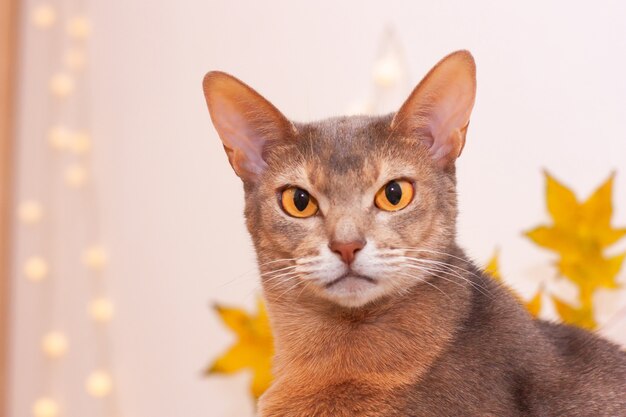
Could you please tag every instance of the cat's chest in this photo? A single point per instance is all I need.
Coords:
(333, 399)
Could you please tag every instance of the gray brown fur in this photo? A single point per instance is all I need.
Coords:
(444, 345)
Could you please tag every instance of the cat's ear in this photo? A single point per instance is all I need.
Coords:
(438, 110)
(245, 122)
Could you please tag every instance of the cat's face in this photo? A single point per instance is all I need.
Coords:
(348, 209)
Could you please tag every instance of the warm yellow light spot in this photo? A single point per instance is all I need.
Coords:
(101, 310)
(80, 143)
(75, 175)
(95, 257)
(54, 344)
(99, 384)
(387, 71)
(45, 407)
(74, 59)
(30, 212)
(61, 85)
(36, 268)
(44, 16)
(59, 137)
(79, 27)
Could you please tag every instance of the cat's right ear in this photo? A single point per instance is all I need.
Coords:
(245, 122)
(439, 108)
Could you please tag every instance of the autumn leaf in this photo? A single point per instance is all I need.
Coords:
(534, 305)
(578, 316)
(580, 233)
(577, 227)
(493, 269)
(592, 271)
(253, 349)
(493, 266)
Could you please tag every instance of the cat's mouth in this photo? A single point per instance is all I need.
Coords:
(350, 276)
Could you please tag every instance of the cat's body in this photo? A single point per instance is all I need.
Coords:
(375, 310)
(472, 352)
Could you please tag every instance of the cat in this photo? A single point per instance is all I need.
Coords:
(375, 309)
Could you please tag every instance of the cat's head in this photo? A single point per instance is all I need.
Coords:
(348, 209)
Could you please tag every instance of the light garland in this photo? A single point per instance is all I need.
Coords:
(71, 142)
(99, 384)
(54, 345)
(95, 257)
(30, 212)
(101, 310)
(35, 268)
(45, 407)
(79, 27)
(59, 137)
(44, 16)
(80, 143)
(61, 85)
(75, 175)
(389, 76)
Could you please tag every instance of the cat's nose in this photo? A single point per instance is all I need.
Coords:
(347, 250)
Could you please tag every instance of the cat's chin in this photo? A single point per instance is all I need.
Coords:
(353, 290)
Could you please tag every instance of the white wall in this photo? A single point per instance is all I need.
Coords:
(552, 94)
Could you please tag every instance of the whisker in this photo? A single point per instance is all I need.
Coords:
(425, 282)
(451, 270)
(436, 270)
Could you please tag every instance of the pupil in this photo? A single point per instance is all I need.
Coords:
(393, 192)
(300, 199)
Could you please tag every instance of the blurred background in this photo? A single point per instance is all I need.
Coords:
(122, 220)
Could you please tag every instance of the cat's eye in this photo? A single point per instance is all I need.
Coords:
(298, 202)
(394, 196)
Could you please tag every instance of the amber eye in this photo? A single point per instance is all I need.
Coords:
(298, 202)
(395, 195)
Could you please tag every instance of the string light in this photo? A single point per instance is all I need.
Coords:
(45, 407)
(59, 137)
(35, 268)
(74, 59)
(75, 175)
(387, 71)
(101, 310)
(44, 16)
(79, 27)
(30, 212)
(99, 384)
(80, 143)
(54, 344)
(61, 85)
(95, 257)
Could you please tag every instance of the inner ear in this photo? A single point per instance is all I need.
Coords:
(245, 122)
(439, 108)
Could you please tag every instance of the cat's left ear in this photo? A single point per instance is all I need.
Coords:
(439, 108)
(245, 122)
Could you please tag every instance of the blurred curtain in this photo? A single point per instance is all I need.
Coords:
(8, 40)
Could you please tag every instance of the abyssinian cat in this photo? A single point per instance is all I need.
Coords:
(375, 309)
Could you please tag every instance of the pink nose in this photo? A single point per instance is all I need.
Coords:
(347, 250)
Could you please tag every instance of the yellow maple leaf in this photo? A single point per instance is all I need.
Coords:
(253, 349)
(579, 234)
(493, 266)
(592, 271)
(584, 227)
(493, 269)
(578, 316)
(534, 304)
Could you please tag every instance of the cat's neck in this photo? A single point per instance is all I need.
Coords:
(316, 339)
